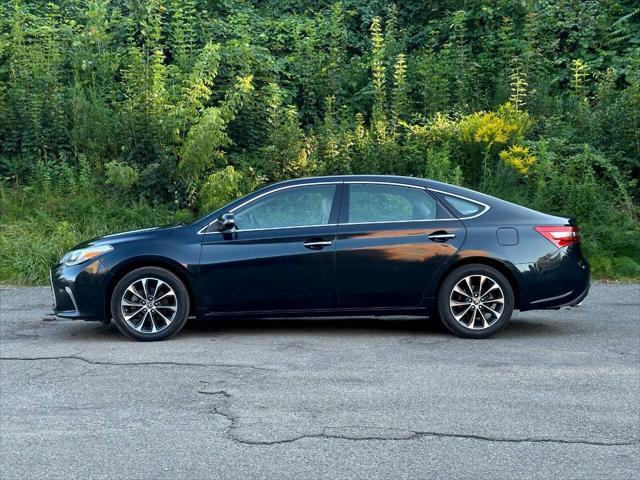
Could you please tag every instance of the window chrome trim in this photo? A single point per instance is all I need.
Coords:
(271, 228)
(477, 202)
(486, 207)
(203, 230)
(402, 221)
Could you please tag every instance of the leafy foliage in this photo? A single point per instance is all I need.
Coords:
(190, 103)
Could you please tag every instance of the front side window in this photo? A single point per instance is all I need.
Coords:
(291, 207)
(388, 203)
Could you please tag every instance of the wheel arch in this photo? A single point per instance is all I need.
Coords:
(161, 262)
(500, 266)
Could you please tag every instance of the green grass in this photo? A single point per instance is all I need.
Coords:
(37, 227)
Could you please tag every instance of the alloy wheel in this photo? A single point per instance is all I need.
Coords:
(149, 305)
(476, 302)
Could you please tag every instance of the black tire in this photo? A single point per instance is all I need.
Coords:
(155, 278)
(446, 295)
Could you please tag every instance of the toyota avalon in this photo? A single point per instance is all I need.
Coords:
(342, 246)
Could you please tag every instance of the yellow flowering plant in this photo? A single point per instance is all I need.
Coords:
(518, 157)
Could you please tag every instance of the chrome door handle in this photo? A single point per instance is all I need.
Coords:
(317, 244)
(441, 236)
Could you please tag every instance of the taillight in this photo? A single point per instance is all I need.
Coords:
(560, 236)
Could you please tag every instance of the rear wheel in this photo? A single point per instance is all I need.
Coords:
(475, 301)
(150, 304)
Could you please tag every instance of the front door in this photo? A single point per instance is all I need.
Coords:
(391, 240)
(280, 257)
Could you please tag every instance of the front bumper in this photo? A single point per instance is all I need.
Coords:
(78, 290)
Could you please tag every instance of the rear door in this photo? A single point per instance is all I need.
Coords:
(391, 240)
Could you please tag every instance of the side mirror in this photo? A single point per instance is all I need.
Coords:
(225, 222)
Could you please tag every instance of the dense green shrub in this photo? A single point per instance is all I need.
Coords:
(190, 103)
(120, 175)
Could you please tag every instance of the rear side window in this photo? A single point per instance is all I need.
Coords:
(464, 208)
(369, 203)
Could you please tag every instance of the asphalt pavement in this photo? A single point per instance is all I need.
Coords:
(555, 395)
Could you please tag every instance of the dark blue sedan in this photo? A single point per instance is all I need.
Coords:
(344, 245)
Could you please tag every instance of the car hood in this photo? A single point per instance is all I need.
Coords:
(128, 236)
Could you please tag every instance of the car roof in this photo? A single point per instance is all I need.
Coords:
(354, 178)
(423, 182)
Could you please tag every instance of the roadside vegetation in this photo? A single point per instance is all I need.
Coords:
(125, 114)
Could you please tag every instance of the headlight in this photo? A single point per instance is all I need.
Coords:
(74, 257)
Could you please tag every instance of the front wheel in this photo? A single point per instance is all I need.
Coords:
(475, 301)
(150, 304)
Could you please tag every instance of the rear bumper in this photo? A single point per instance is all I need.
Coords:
(561, 279)
(576, 302)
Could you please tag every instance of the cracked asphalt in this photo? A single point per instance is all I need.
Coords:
(555, 395)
